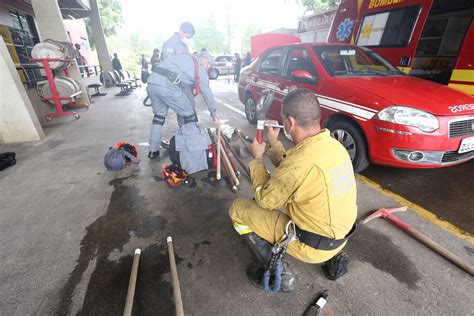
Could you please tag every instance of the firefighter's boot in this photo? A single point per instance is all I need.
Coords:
(263, 252)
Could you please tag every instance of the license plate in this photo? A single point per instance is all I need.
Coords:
(467, 144)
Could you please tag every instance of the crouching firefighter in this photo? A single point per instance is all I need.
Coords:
(307, 207)
(165, 89)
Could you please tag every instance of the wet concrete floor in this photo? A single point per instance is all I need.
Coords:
(69, 229)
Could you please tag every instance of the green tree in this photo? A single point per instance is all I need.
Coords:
(246, 35)
(131, 47)
(210, 37)
(318, 5)
(111, 17)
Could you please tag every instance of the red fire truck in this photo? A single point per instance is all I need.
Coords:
(430, 39)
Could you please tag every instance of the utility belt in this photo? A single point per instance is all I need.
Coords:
(173, 77)
(319, 242)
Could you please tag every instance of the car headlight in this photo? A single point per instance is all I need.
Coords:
(409, 116)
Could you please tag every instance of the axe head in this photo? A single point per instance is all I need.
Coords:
(235, 135)
(384, 212)
(264, 103)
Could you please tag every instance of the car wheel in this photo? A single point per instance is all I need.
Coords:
(353, 141)
(251, 110)
(213, 74)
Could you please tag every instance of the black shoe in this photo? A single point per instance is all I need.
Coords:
(255, 276)
(336, 267)
(154, 155)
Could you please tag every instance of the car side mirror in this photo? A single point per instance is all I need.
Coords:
(303, 76)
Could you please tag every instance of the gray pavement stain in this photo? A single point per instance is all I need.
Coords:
(469, 250)
(204, 242)
(368, 245)
(127, 212)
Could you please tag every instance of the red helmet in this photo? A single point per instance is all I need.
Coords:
(130, 148)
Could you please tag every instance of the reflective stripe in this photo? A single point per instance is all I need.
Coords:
(258, 193)
(463, 75)
(330, 103)
(346, 108)
(242, 229)
(405, 70)
(463, 88)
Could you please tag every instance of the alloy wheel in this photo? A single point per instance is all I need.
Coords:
(346, 140)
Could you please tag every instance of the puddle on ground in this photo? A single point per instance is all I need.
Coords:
(370, 246)
(127, 212)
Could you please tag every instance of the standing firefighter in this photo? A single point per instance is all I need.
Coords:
(178, 43)
(166, 86)
(313, 182)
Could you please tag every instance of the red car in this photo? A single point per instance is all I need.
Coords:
(379, 114)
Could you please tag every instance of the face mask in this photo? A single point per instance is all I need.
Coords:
(287, 134)
(186, 40)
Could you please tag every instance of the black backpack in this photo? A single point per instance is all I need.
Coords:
(7, 160)
(174, 154)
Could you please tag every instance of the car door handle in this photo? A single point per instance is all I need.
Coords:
(281, 86)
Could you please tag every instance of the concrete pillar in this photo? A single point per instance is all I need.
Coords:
(51, 26)
(99, 39)
(18, 121)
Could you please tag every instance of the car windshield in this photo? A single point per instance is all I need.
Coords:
(353, 61)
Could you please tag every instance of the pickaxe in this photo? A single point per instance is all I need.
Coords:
(387, 214)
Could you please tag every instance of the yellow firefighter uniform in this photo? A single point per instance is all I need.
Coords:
(314, 183)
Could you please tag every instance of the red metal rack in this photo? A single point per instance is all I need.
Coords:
(57, 99)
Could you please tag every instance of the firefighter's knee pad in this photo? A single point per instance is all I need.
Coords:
(190, 118)
(159, 120)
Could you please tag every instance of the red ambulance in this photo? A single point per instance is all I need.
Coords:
(430, 39)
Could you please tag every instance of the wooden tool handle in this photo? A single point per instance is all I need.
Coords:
(242, 164)
(442, 251)
(230, 155)
(229, 168)
(131, 284)
(174, 278)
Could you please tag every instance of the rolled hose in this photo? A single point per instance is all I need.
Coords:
(145, 101)
(64, 86)
(54, 49)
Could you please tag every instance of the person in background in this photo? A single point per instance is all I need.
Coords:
(155, 59)
(247, 59)
(144, 63)
(195, 54)
(79, 59)
(238, 65)
(116, 63)
(178, 43)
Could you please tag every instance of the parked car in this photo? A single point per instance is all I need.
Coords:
(379, 114)
(223, 65)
